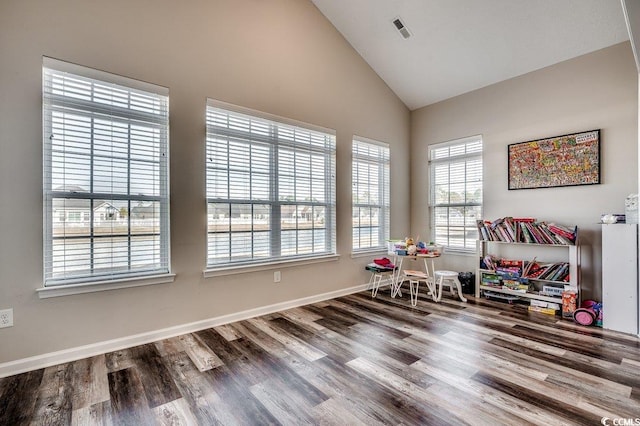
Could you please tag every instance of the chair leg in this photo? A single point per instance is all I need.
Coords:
(459, 289)
(431, 286)
(377, 279)
(395, 288)
(414, 292)
(439, 288)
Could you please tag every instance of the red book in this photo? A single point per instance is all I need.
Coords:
(524, 219)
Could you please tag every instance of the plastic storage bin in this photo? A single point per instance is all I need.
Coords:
(468, 282)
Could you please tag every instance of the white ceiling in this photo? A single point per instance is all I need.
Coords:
(462, 45)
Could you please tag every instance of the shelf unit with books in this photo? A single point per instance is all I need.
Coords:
(520, 274)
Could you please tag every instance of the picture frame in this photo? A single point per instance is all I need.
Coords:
(567, 160)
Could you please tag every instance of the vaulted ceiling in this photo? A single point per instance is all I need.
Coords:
(457, 46)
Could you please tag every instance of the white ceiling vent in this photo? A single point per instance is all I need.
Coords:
(402, 29)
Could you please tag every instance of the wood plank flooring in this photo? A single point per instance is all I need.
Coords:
(349, 361)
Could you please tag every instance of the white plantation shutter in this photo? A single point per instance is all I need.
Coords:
(270, 187)
(370, 194)
(106, 202)
(456, 192)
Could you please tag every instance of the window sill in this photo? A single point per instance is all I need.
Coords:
(94, 286)
(241, 269)
(454, 252)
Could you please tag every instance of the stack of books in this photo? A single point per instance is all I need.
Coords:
(491, 280)
(526, 230)
(551, 272)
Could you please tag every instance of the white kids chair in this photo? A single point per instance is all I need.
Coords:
(449, 279)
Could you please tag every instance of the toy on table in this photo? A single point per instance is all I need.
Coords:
(412, 247)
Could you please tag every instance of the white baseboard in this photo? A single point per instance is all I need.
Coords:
(67, 355)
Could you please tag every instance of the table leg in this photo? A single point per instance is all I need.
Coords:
(431, 283)
(396, 280)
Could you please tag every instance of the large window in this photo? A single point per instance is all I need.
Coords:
(105, 176)
(270, 188)
(370, 194)
(456, 192)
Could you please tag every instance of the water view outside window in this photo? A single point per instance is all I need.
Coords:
(270, 188)
(370, 194)
(105, 177)
(456, 192)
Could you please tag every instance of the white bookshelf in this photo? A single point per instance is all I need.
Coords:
(552, 252)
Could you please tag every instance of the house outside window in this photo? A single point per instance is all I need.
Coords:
(74, 216)
(370, 194)
(270, 188)
(456, 192)
(105, 152)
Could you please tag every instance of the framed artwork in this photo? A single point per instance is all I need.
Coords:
(566, 160)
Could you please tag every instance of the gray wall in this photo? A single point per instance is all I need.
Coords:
(595, 91)
(282, 57)
(278, 56)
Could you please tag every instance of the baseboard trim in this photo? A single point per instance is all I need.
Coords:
(72, 354)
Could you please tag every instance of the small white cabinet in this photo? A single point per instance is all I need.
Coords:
(620, 277)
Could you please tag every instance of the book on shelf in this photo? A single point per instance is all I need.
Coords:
(548, 311)
(550, 271)
(530, 267)
(550, 236)
(515, 285)
(488, 277)
(525, 230)
(561, 273)
(523, 219)
(508, 273)
(526, 234)
(510, 228)
(505, 270)
(557, 272)
(511, 263)
(504, 235)
(563, 231)
(488, 263)
(533, 231)
(539, 271)
(496, 222)
(488, 231)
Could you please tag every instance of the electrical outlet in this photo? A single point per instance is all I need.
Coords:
(277, 277)
(6, 318)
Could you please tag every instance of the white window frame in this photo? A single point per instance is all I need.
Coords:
(376, 157)
(263, 132)
(90, 103)
(456, 225)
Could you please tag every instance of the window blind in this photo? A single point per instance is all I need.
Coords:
(456, 192)
(370, 194)
(106, 202)
(270, 187)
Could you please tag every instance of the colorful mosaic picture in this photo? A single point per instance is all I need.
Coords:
(558, 161)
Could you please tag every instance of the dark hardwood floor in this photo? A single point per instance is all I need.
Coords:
(349, 361)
